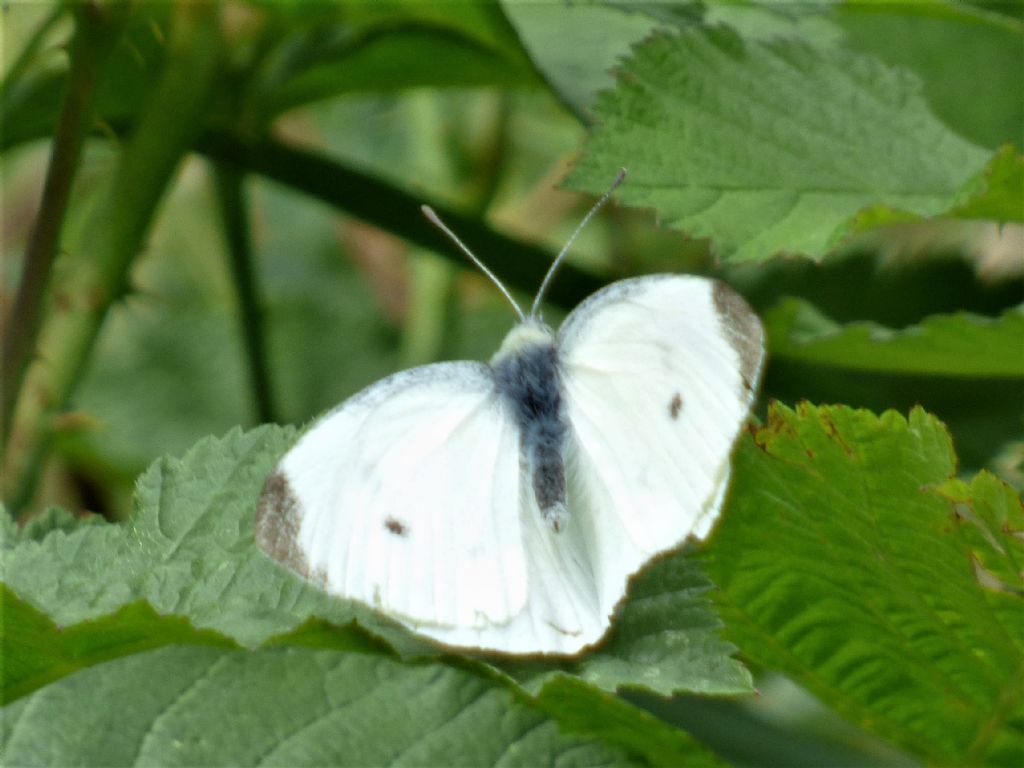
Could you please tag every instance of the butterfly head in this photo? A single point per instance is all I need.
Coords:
(531, 328)
(529, 333)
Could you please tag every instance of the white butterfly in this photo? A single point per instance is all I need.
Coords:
(505, 506)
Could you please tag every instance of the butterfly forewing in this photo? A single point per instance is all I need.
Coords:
(658, 375)
(406, 497)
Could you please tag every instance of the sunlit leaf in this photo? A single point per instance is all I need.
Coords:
(946, 345)
(286, 706)
(843, 562)
(189, 552)
(602, 33)
(998, 192)
(769, 146)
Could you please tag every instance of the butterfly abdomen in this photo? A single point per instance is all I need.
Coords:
(529, 382)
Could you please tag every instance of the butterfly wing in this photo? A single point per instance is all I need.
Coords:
(659, 375)
(406, 498)
(562, 613)
(410, 496)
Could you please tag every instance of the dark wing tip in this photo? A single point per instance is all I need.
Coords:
(278, 518)
(744, 332)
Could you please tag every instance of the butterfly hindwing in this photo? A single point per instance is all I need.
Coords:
(561, 615)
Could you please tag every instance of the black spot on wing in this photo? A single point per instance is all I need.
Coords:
(675, 405)
(396, 527)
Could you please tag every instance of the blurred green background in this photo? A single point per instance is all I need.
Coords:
(441, 103)
(259, 256)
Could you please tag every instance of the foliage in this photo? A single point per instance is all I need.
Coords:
(872, 496)
(853, 168)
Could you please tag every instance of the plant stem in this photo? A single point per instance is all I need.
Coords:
(97, 29)
(234, 208)
(97, 275)
(521, 264)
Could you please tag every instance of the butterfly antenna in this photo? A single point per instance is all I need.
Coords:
(561, 256)
(436, 221)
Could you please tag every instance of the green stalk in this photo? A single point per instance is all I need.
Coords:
(97, 28)
(234, 207)
(518, 263)
(96, 276)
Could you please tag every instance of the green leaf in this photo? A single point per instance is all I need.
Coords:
(843, 563)
(37, 527)
(94, 570)
(602, 33)
(991, 521)
(286, 706)
(969, 61)
(813, 22)
(37, 652)
(769, 146)
(998, 192)
(666, 637)
(189, 551)
(402, 51)
(960, 344)
(581, 709)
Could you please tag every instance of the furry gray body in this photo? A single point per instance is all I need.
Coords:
(529, 382)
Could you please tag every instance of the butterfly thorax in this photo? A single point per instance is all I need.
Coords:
(528, 380)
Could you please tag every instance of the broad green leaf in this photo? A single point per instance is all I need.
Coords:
(586, 711)
(286, 706)
(37, 652)
(946, 345)
(991, 521)
(94, 570)
(1008, 8)
(666, 638)
(811, 21)
(479, 21)
(601, 34)
(843, 563)
(998, 192)
(37, 527)
(769, 146)
(188, 550)
(981, 413)
(783, 725)
(969, 61)
(398, 54)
